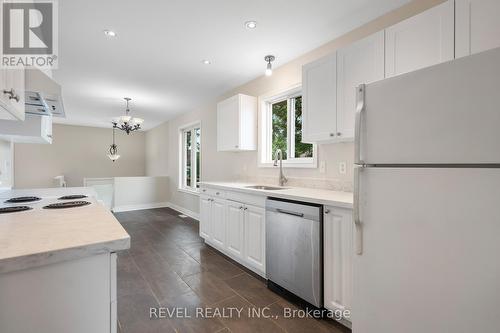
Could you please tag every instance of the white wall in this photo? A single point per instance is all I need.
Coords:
(162, 141)
(78, 152)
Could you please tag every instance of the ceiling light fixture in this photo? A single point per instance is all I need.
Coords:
(110, 33)
(113, 149)
(269, 68)
(251, 24)
(127, 123)
(206, 62)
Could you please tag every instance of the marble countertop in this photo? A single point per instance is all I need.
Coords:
(314, 195)
(39, 236)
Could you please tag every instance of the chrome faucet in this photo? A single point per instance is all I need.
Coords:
(279, 155)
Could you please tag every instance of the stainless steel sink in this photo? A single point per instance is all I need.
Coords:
(265, 187)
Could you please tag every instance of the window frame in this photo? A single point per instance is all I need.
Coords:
(182, 185)
(265, 136)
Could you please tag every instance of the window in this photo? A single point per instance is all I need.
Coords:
(190, 157)
(282, 129)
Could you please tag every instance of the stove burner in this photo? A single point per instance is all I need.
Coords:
(68, 204)
(14, 209)
(72, 197)
(23, 199)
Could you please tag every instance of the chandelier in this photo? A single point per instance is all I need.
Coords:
(127, 123)
(113, 149)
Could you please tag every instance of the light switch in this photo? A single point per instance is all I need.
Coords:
(342, 168)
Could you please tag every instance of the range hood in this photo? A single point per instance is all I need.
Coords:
(43, 96)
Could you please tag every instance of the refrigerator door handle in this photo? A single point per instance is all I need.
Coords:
(360, 107)
(355, 214)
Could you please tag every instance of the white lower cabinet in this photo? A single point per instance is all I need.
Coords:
(205, 216)
(255, 237)
(235, 228)
(338, 233)
(78, 296)
(218, 223)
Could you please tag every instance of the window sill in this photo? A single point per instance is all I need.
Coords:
(192, 192)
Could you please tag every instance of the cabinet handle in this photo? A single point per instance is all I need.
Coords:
(236, 146)
(49, 136)
(12, 94)
(332, 134)
(339, 134)
(246, 208)
(204, 190)
(241, 207)
(217, 193)
(327, 211)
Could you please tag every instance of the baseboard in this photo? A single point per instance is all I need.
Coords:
(184, 211)
(126, 208)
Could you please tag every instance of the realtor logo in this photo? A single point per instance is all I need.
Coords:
(29, 34)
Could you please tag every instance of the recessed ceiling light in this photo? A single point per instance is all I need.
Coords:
(110, 33)
(251, 24)
(206, 62)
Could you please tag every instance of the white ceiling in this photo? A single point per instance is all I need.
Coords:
(156, 57)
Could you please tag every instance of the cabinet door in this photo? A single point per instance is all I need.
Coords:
(12, 80)
(205, 216)
(228, 136)
(338, 236)
(420, 41)
(255, 237)
(477, 26)
(235, 228)
(218, 223)
(360, 62)
(319, 97)
(46, 130)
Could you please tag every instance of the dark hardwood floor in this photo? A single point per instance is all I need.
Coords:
(168, 265)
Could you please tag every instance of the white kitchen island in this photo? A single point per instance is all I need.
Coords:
(58, 267)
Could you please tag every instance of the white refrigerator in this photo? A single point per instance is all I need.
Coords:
(427, 200)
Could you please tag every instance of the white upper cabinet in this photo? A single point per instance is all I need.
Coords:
(477, 26)
(237, 123)
(12, 94)
(360, 62)
(421, 41)
(34, 129)
(319, 100)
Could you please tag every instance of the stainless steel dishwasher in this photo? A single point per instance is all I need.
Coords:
(294, 249)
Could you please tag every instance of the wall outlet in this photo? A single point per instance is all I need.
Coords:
(342, 168)
(322, 166)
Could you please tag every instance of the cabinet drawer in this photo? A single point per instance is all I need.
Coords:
(213, 192)
(249, 199)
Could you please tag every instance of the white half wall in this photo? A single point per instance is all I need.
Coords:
(134, 193)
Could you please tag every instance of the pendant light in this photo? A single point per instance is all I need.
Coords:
(127, 123)
(113, 149)
(269, 68)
